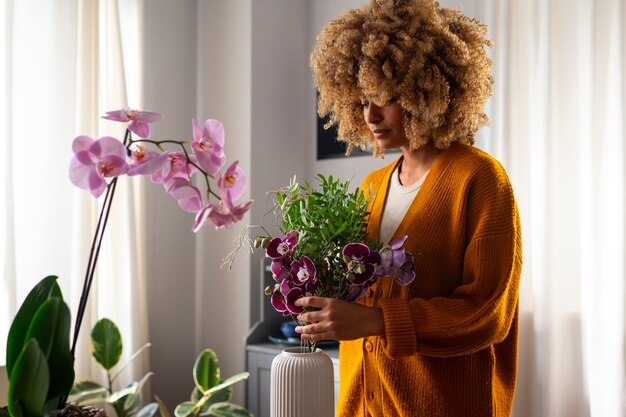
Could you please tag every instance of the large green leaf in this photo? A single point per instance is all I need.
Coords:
(51, 327)
(29, 384)
(87, 392)
(149, 410)
(206, 371)
(45, 289)
(228, 382)
(106, 343)
(223, 395)
(226, 409)
(184, 409)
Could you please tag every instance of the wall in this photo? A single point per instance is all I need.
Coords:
(169, 86)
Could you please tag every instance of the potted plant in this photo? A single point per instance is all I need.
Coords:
(40, 361)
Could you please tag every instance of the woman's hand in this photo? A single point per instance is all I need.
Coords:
(338, 320)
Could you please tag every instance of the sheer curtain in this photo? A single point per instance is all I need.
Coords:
(558, 126)
(63, 64)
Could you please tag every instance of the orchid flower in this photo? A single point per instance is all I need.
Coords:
(233, 181)
(278, 301)
(188, 196)
(280, 248)
(145, 161)
(405, 274)
(392, 256)
(95, 160)
(174, 165)
(355, 293)
(290, 295)
(222, 215)
(139, 120)
(304, 273)
(208, 145)
(281, 269)
(361, 262)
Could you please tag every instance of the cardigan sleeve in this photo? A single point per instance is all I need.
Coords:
(479, 312)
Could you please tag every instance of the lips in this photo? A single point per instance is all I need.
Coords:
(379, 133)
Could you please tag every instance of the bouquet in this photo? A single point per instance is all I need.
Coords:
(323, 250)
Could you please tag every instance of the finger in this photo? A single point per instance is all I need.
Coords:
(310, 302)
(309, 317)
(309, 329)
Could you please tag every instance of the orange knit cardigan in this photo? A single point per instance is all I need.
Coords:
(450, 344)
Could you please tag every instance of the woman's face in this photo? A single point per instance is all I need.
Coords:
(385, 123)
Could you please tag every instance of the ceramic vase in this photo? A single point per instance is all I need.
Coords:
(302, 384)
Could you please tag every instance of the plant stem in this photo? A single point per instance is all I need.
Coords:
(110, 382)
(94, 253)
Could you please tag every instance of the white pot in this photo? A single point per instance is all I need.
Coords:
(302, 384)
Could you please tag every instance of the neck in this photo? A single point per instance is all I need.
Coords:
(416, 163)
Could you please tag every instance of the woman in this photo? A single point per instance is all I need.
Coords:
(411, 75)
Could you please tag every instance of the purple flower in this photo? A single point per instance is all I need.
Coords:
(396, 261)
(146, 161)
(187, 195)
(139, 120)
(361, 262)
(284, 297)
(405, 274)
(95, 160)
(280, 248)
(355, 293)
(281, 269)
(392, 256)
(222, 214)
(233, 181)
(208, 145)
(173, 165)
(304, 273)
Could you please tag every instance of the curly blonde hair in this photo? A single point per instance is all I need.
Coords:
(430, 60)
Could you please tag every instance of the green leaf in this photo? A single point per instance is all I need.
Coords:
(228, 382)
(184, 409)
(4, 412)
(106, 343)
(41, 292)
(226, 409)
(51, 327)
(206, 370)
(165, 412)
(29, 384)
(128, 400)
(87, 392)
(148, 410)
(223, 395)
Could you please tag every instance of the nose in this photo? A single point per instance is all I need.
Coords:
(372, 113)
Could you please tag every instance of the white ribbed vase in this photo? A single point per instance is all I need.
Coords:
(302, 384)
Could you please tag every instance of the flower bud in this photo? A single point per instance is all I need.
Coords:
(268, 290)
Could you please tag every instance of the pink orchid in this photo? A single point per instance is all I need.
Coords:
(146, 161)
(208, 145)
(95, 160)
(188, 196)
(173, 165)
(223, 214)
(139, 120)
(233, 181)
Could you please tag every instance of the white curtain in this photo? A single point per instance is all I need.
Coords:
(558, 127)
(64, 63)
